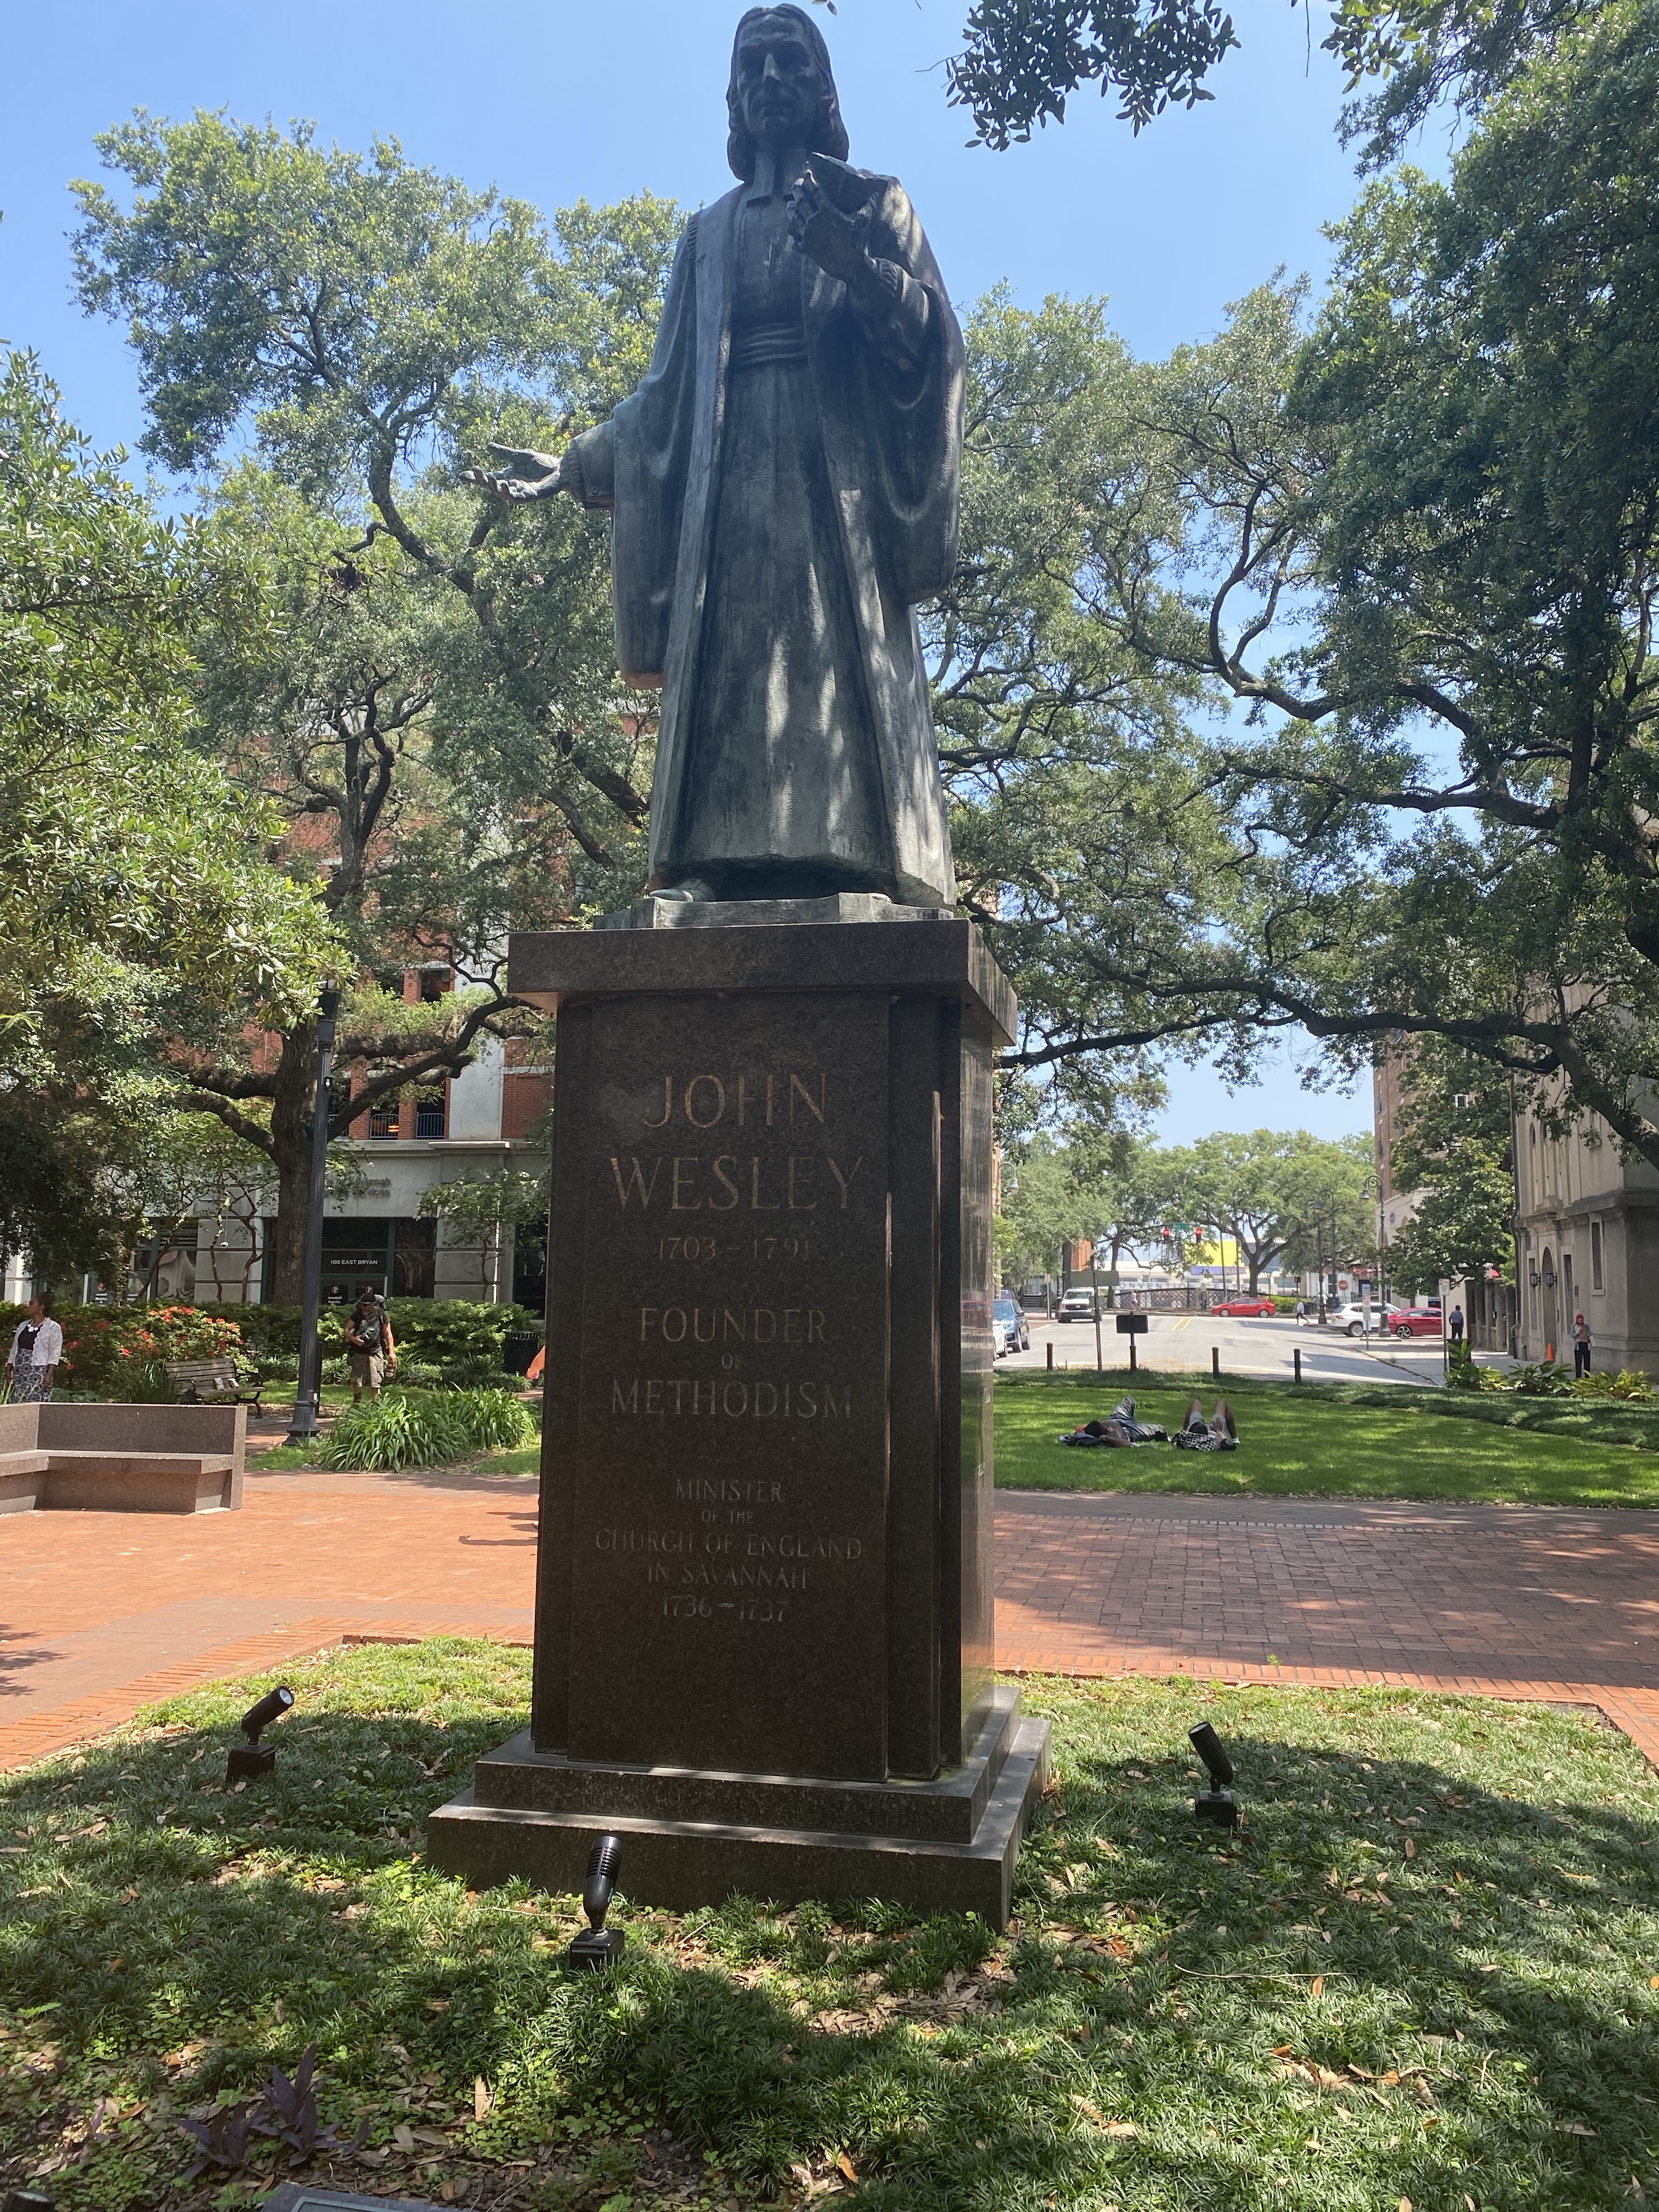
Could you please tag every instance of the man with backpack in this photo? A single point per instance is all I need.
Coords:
(370, 1346)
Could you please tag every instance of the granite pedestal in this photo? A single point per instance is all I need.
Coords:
(763, 1624)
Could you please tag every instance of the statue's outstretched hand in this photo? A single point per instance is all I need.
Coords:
(824, 233)
(529, 475)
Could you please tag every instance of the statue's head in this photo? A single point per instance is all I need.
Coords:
(782, 91)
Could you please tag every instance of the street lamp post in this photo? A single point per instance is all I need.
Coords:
(307, 1394)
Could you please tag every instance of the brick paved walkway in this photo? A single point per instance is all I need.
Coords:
(100, 1613)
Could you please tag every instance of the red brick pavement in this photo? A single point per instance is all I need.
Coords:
(102, 1613)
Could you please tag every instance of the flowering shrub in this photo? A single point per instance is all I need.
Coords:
(117, 1351)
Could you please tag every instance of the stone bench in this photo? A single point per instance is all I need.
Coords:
(121, 1459)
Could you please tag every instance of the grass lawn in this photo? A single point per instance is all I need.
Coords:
(1426, 1971)
(1323, 1441)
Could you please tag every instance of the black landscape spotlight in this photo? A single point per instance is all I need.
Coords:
(598, 1946)
(249, 1760)
(26, 2200)
(1217, 1802)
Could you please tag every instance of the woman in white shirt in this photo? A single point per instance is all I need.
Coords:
(37, 1345)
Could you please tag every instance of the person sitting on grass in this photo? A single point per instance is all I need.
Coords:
(1220, 1433)
(371, 1346)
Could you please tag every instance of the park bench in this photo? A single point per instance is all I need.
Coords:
(121, 1459)
(212, 1381)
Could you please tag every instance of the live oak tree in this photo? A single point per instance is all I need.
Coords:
(1280, 1195)
(1023, 59)
(436, 713)
(138, 902)
(1419, 551)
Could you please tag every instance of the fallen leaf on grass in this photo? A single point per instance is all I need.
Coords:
(437, 2004)
(482, 2099)
(1319, 1985)
(1575, 2128)
(847, 2167)
(403, 2137)
(1411, 1849)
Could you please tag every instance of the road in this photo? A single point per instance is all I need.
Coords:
(1183, 1342)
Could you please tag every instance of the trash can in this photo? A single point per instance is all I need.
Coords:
(518, 1350)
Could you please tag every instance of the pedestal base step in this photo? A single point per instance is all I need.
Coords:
(684, 1864)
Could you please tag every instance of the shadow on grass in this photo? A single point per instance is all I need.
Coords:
(1160, 1984)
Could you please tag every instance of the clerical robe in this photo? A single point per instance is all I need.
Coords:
(785, 488)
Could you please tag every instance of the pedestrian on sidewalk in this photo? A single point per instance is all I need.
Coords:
(1301, 1311)
(1454, 1323)
(1580, 1347)
(37, 1345)
(371, 1348)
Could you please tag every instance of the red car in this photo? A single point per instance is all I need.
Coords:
(1246, 1309)
(1416, 1321)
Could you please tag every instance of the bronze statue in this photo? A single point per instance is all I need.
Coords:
(785, 486)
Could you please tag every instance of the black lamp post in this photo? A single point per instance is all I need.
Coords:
(307, 1393)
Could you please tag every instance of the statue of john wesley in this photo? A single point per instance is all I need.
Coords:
(785, 486)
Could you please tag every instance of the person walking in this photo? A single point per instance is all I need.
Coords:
(1301, 1311)
(37, 1345)
(1580, 1347)
(1454, 1323)
(370, 1346)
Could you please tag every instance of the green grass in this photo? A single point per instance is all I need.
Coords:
(1425, 1970)
(1328, 1440)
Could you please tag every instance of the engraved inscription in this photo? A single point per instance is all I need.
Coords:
(733, 1457)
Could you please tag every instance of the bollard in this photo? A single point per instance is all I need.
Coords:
(1215, 1361)
(1051, 1355)
(1298, 1363)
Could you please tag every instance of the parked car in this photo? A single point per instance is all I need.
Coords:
(1016, 1328)
(1416, 1321)
(1077, 1305)
(1246, 1309)
(1350, 1317)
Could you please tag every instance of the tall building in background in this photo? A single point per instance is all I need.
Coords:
(1589, 1242)
(1390, 1095)
(473, 1125)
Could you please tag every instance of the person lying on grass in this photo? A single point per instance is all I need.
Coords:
(1219, 1434)
(1119, 1428)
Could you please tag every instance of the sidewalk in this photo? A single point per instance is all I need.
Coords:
(102, 1613)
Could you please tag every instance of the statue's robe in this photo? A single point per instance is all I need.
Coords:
(785, 490)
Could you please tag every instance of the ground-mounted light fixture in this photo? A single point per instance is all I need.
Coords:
(1217, 1802)
(249, 1760)
(597, 1946)
(26, 2200)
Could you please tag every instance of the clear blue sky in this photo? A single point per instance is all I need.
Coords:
(566, 100)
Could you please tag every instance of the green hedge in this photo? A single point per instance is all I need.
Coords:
(451, 1340)
(440, 1332)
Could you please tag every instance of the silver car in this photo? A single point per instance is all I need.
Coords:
(1016, 1329)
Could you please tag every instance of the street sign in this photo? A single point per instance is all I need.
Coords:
(1132, 1324)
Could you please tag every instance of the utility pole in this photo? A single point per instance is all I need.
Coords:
(307, 1394)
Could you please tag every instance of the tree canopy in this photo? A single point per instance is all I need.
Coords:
(1023, 59)
(138, 902)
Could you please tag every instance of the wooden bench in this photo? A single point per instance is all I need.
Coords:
(211, 1381)
(121, 1459)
